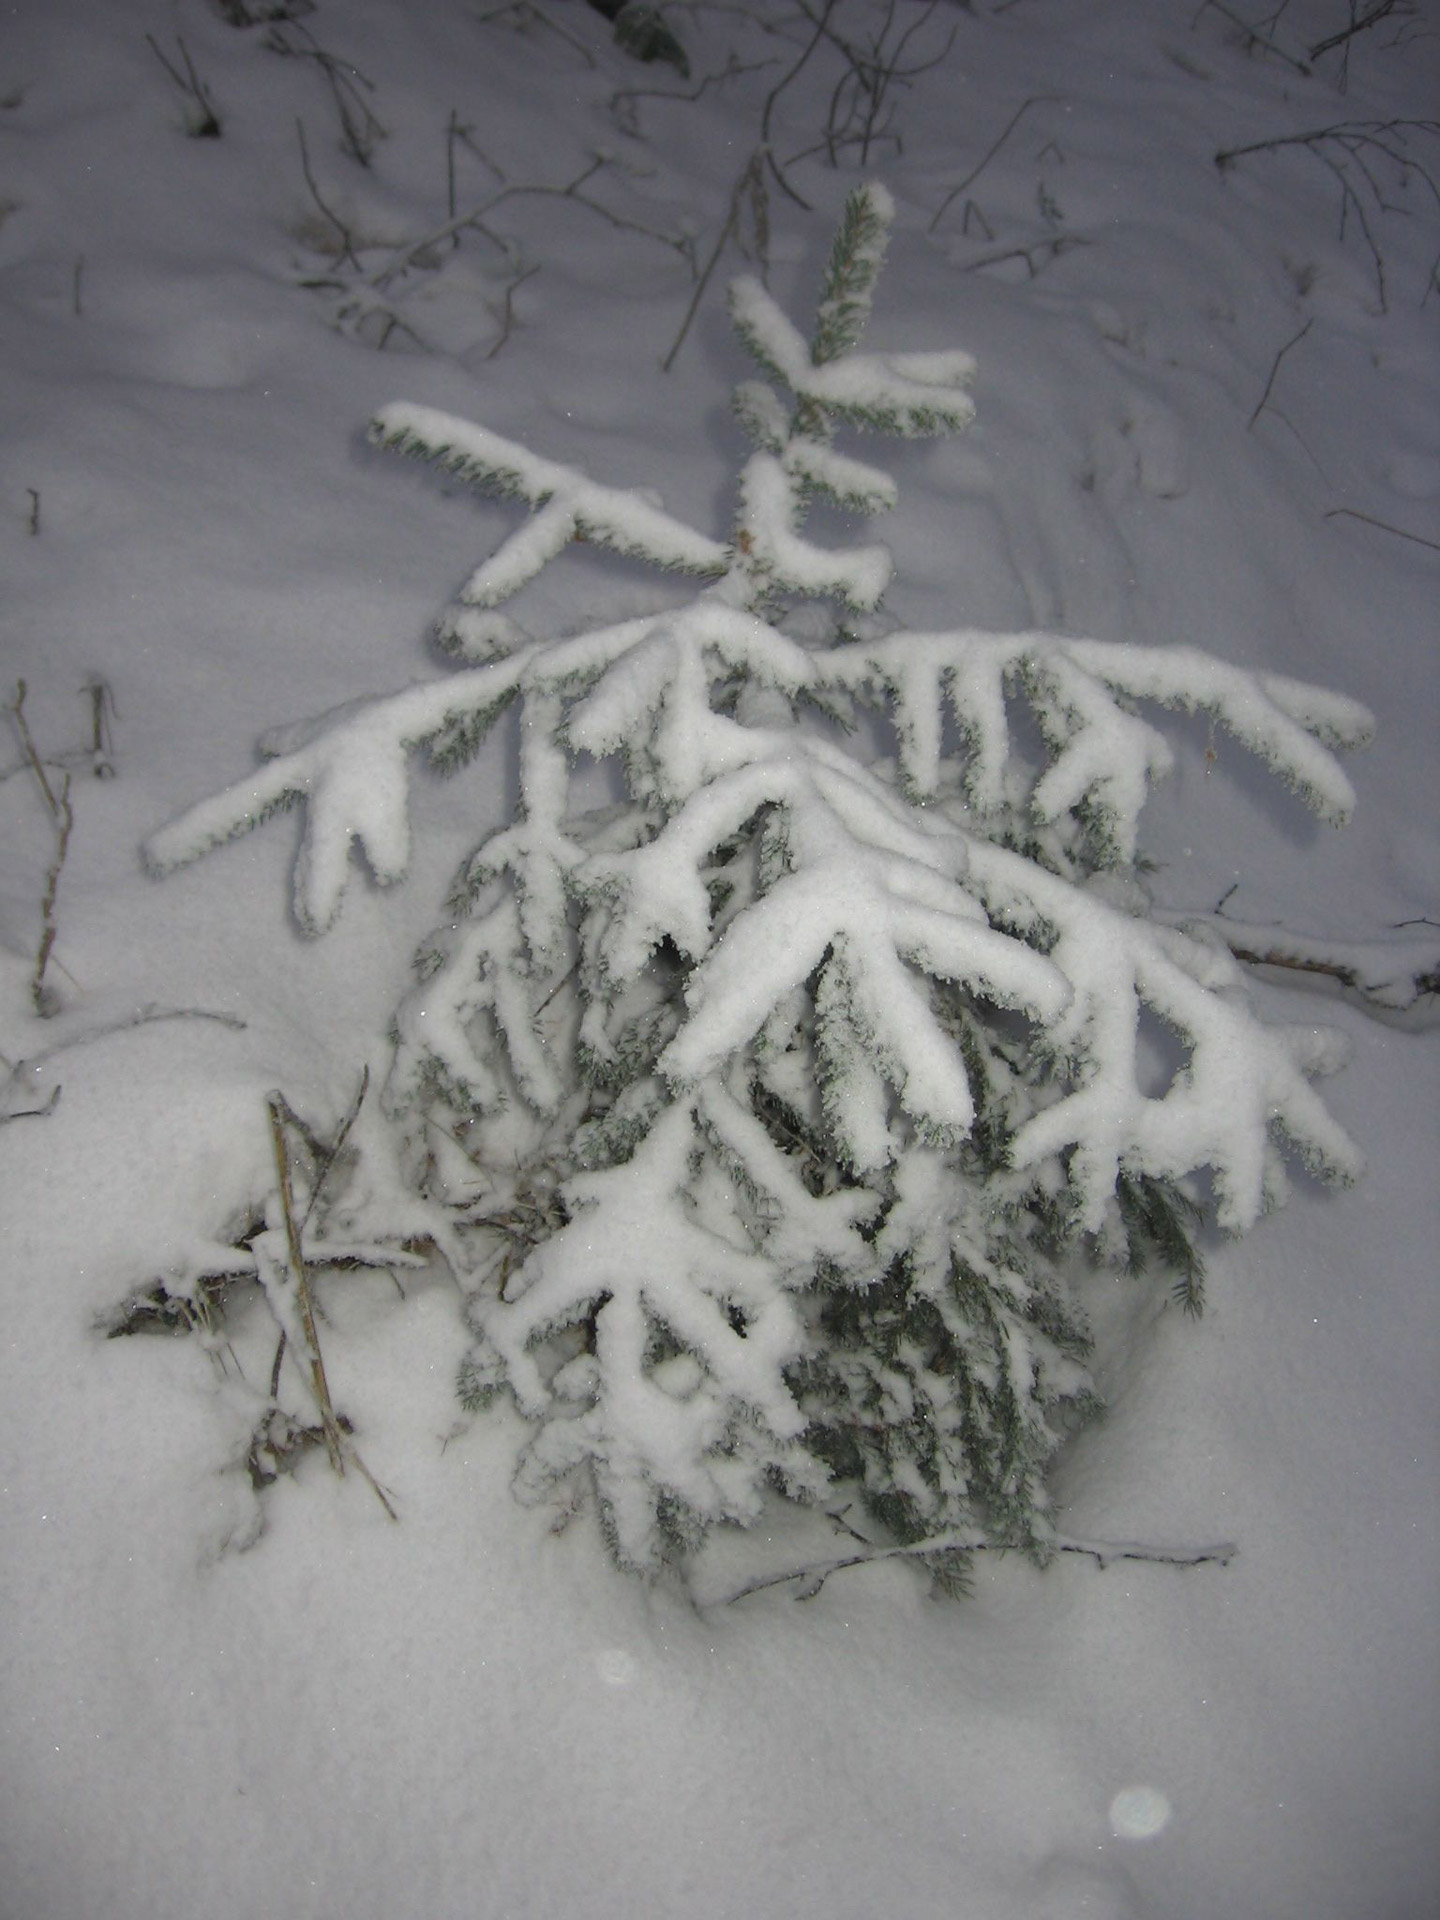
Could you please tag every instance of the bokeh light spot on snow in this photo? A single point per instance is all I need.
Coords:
(616, 1667)
(1138, 1813)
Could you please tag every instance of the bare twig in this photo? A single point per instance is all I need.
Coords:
(203, 122)
(861, 112)
(41, 999)
(1353, 513)
(507, 309)
(749, 189)
(102, 746)
(1360, 145)
(360, 1467)
(1355, 132)
(20, 1073)
(1037, 255)
(413, 253)
(328, 1155)
(990, 152)
(812, 1577)
(238, 14)
(527, 14)
(1255, 36)
(749, 186)
(34, 522)
(363, 311)
(359, 127)
(458, 135)
(1373, 18)
(17, 709)
(63, 817)
(622, 101)
(143, 1017)
(33, 1113)
(821, 25)
(347, 245)
(1275, 368)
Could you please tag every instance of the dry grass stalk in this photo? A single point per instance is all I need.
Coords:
(338, 1446)
(318, 1383)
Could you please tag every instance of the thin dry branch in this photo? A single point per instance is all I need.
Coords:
(102, 710)
(458, 134)
(975, 172)
(622, 102)
(63, 816)
(1361, 145)
(812, 1577)
(507, 309)
(861, 111)
(37, 765)
(203, 122)
(142, 1017)
(1371, 19)
(1255, 35)
(1037, 254)
(526, 13)
(413, 253)
(1274, 370)
(359, 127)
(1354, 513)
(327, 1155)
(33, 1113)
(43, 1001)
(750, 186)
(1361, 132)
(347, 244)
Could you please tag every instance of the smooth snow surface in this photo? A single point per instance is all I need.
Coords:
(1207, 414)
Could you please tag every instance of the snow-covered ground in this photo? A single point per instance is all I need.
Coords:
(1208, 413)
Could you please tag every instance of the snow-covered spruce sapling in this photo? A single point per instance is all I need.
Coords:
(763, 1114)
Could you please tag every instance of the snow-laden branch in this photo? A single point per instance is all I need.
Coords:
(869, 896)
(779, 559)
(645, 688)
(1242, 1085)
(351, 769)
(571, 507)
(693, 1331)
(1081, 690)
(901, 393)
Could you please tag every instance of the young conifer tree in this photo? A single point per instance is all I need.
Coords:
(763, 1115)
